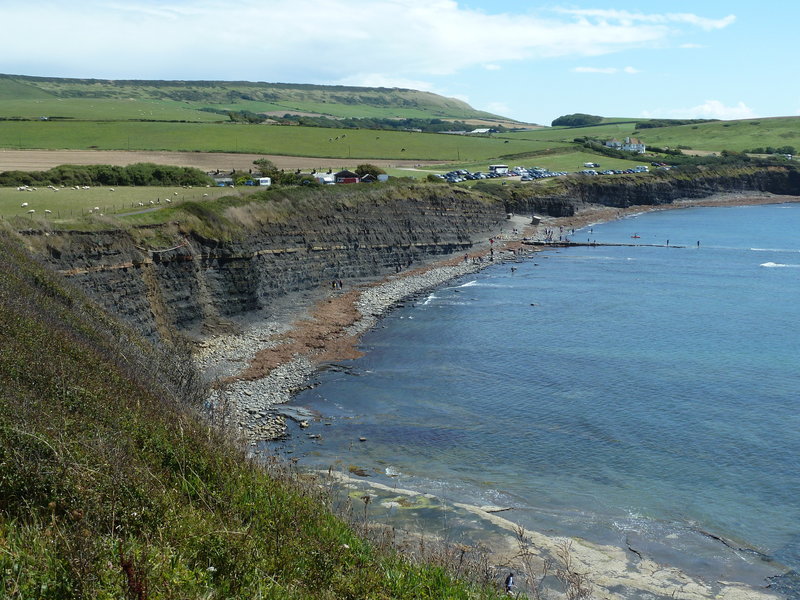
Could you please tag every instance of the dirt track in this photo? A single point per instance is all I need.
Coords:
(41, 160)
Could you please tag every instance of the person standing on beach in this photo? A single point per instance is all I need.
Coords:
(509, 583)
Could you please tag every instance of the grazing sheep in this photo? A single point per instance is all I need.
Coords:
(31, 211)
(169, 200)
(141, 203)
(96, 208)
(110, 189)
(47, 211)
(205, 195)
(90, 211)
(152, 202)
(23, 205)
(175, 193)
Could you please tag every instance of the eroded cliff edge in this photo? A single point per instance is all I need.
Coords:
(219, 260)
(197, 273)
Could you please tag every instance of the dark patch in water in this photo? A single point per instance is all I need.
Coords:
(788, 585)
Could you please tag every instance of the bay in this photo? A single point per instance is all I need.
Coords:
(642, 395)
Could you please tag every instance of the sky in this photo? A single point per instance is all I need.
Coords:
(528, 60)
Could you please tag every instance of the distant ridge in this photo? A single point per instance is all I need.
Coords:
(328, 100)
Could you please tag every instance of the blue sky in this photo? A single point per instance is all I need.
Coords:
(531, 61)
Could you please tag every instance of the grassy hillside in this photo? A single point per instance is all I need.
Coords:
(112, 487)
(182, 100)
(714, 136)
(263, 139)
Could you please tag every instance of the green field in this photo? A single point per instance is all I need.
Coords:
(103, 109)
(713, 136)
(68, 204)
(262, 139)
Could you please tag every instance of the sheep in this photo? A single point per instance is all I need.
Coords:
(205, 195)
(96, 208)
(152, 202)
(31, 211)
(169, 200)
(110, 189)
(175, 193)
(48, 211)
(23, 205)
(141, 203)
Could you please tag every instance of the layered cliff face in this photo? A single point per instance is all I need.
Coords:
(621, 191)
(233, 260)
(190, 280)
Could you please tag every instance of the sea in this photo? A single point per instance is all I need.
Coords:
(643, 393)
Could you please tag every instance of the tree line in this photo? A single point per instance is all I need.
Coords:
(139, 174)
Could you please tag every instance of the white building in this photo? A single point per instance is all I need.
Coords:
(629, 145)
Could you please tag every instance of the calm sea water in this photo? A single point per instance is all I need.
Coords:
(634, 395)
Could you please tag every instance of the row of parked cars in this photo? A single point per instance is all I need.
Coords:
(464, 175)
(532, 173)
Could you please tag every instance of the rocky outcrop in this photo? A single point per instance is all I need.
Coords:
(194, 279)
(621, 191)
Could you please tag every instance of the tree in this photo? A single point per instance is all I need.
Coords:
(267, 167)
(367, 168)
(576, 120)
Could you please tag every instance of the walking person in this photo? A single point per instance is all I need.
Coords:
(509, 583)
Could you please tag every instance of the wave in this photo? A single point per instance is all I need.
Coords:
(469, 284)
(772, 250)
(429, 299)
(776, 265)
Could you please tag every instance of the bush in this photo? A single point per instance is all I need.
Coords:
(576, 120)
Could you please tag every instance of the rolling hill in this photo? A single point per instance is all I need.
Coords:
(34, 97)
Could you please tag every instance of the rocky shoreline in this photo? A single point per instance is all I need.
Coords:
(262, 366)
(267, 361)
(269, 358)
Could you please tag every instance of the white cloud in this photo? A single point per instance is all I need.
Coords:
(627, 18)
(498, 108)
(691, 46)
(605, 70)
(492, 67)
(385, 81)
(310, 40)
(710, 109)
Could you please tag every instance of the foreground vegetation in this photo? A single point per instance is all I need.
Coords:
(111, 486)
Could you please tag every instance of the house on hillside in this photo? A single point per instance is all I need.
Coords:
(346, 177)
(629, 145)
(369, 178)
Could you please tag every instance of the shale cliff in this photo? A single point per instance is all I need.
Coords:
(221, 259)
(197, 273)
(658, 187)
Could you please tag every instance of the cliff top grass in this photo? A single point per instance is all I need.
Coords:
(111, 486)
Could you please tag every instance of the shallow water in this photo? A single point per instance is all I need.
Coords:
(630, 395)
